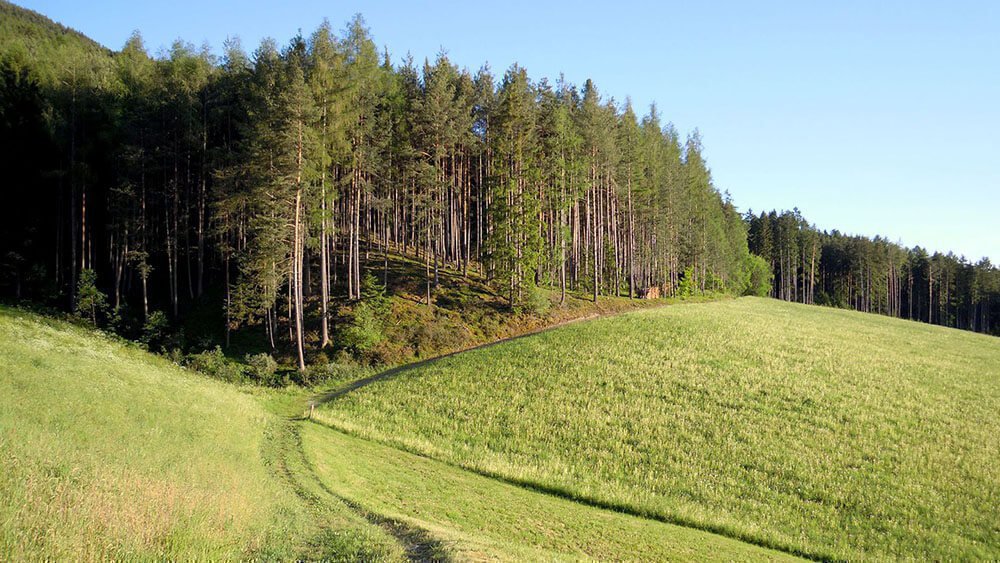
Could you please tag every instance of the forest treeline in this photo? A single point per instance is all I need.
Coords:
(874, 275)
(269, 180)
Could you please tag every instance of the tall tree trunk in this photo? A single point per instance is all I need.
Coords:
(427, 257)
(202, 197)
(229, 299)
(593, 242)
(299, 247)
(631, 240)
(351, 204)
(930, 293)
(324, 266)
(562, 241)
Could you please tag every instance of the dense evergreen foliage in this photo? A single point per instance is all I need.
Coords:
(257, 182)
(875, 275)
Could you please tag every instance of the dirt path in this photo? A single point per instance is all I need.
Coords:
(418, 544)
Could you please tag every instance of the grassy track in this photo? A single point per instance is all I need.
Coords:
(107, 452)
(822, 432)
(476, 517)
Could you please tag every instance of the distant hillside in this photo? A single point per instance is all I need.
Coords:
(32, 41)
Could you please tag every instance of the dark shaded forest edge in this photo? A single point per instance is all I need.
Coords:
(322, 206)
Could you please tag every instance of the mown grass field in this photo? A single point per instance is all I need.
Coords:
(107, 452)
(821, 432)
(473, 517)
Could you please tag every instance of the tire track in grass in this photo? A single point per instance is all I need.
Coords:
(418, 544)
(287, 455)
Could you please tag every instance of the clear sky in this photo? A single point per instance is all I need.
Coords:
(870, 117)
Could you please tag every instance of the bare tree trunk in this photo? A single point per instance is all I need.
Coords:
(202, 195)
(631, 241)
(229, 299)
(562, 242)
(930, 293)
(357, 242)
(145, 296)
(812, 275)
(350, 236)
(297, 252)
(324, 267)
(593, 242)
(84, 242)
(74, 234)
(427, 258)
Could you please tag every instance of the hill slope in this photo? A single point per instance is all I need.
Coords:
(472, 517)
(822, 432)
(107, 452)
(30, 40)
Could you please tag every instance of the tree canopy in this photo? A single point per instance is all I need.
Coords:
(260, 181)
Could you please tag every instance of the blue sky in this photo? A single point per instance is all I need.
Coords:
(870, 117)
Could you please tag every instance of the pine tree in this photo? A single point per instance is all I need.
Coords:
(515, 239)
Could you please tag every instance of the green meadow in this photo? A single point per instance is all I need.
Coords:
(108, 452)
(745, 429)
(472, 517)
(820, 432)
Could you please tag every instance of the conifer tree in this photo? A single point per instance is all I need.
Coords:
(515, 240)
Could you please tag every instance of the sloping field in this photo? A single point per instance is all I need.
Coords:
(472, 517)
(107, 452)
(820, 432)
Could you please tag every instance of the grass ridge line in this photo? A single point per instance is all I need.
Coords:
(390, 373)
(393, 372)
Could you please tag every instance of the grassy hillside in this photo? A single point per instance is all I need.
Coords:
(814, 431)
(474, 517)
(818, 431)
(107, 452)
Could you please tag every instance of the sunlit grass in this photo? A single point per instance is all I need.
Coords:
(823, 432)
(475, 517)
(107, 452)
